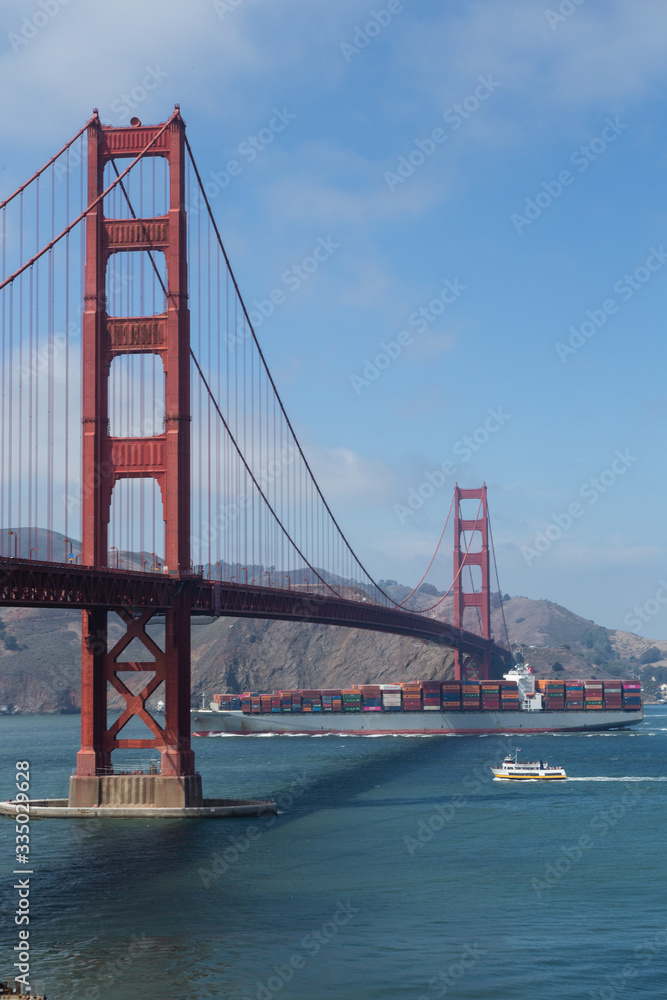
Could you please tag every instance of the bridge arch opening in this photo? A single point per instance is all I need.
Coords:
(146, 189)
(136, 396)
(472, 579)
(470, 509)
(135, 283)
(472, 541)
(136, 526)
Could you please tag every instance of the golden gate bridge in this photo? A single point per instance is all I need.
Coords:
(139, 415)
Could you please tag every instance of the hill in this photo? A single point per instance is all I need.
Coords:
(557, 642)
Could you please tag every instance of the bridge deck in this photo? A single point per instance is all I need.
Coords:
(29, 583)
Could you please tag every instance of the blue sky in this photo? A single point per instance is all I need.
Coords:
(339, 97)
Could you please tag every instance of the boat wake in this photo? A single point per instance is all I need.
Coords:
(627, 778)
(311, 736)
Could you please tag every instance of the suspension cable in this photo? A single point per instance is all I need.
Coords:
(219, 412)
(253, 477)
(461, 567)
(48, 246)
(495, 564)
(273, 385)
(437, 549)
(53, 159)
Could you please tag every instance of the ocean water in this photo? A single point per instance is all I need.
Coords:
(397, 869)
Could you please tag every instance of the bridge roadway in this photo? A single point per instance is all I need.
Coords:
(31, 583)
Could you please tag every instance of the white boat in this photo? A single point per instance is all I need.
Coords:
(512, 769)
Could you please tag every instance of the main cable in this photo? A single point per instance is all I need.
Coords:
(495, 565)
(48, 246)
(53, 159)
(273, 385)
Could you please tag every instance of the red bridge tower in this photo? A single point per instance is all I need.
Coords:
(475, 552)
(164, 457)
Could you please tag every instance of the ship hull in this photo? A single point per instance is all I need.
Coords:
(530, 777)
(473, 723)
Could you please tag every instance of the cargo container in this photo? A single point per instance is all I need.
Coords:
(470, 697)
(431, 696)
(392, 700)
(451, 696)
(613, 694)
(412, 696)
(351, 698)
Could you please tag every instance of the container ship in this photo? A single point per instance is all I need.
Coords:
(516, 704)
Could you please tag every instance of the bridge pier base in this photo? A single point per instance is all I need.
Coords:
(155, 791)
(207, 809)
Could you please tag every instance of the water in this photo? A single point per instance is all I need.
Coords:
(398, 868)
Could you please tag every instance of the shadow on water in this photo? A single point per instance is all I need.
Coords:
(142, 847)
(95, 852)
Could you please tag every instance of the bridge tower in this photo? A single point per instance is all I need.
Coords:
(474, 552)
(164, 457)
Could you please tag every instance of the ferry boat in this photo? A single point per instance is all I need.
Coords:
(512, 769)
(515, 704)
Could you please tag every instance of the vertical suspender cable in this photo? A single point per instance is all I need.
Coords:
(51, 442)
(67, 333)
(4, 415)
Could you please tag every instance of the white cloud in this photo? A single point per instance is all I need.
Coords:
(408, 547)
(431, 345)
(602, 57)
(346, 477)
(326, 184)
(609, 554)
(90, 54)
